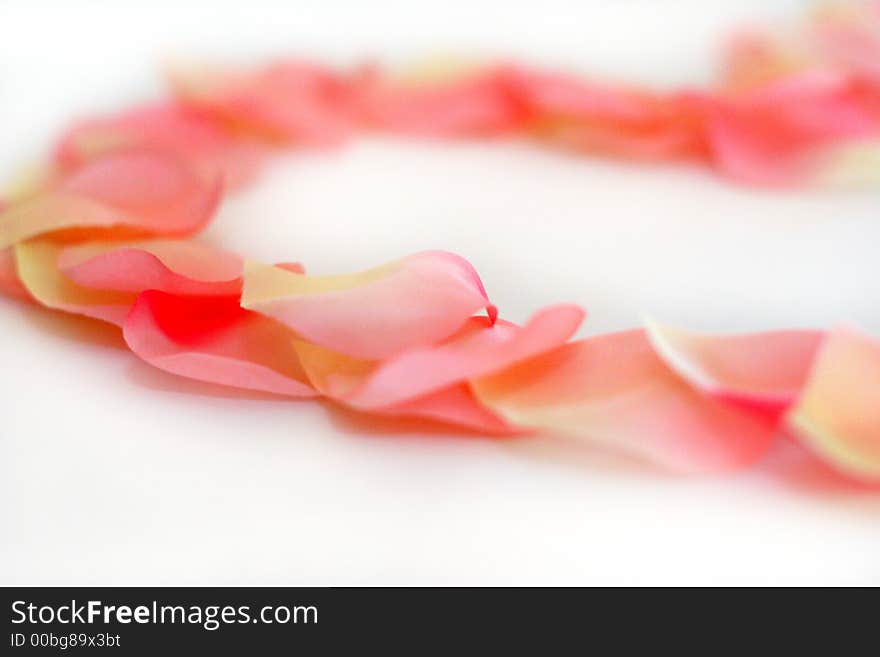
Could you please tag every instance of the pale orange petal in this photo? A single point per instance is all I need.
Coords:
(36, 262)
(838, 415)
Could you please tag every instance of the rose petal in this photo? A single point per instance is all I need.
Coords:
(288, 102)
(101, 280)
(170, 128)
(162, 191)
(476, 350)
(337, 376)
(376, 313)
(596, 117)
(844, 39)
(850, 37)
(177, 267)
(213, 339)
(47, 213)
(430, 381)
(36, 262)
(614, 390)
(453, 405)
(753, 153)
(755, 57)
(557, 95)
(763, 371)
(146, 191)
(838, 415)
(782, 133)
(817, 104)
(10, 283)
(475, 103)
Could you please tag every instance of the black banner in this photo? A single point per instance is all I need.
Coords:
(150, 621)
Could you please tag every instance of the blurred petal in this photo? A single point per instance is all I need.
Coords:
(374, 314)
(841, 37)
(145, 191)
(818, 104)
(838, 415)
(764, 371)
(46, 213)
(295, 267)
(849, 36)
(615, 120)
(559, 95)
(472, 103)
(756, 57)
(287, 102)
(174, 266)
(744, 149)
(782, 133)
(614, 390)
(170, 128)
(213, 339)
(162, 192)
(10, 283)
(36, 261)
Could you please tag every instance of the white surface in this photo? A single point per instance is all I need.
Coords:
(113, 472)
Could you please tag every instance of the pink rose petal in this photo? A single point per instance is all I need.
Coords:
(145, 191)
(337, 376)
(288, 102)
(597, 117)
(476, 350)
(213, 339)
(850, 38)
(170, 128)
(177, 267)
(431, 381)
(162, 192)
(782, 133)
(36, 262)
(455, 405)
(480, 103)
(373, 314)
(101, 280)
(615, 391)
(762, 371)
(10, 283)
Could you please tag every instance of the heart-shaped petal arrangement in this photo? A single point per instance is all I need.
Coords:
(107, 233)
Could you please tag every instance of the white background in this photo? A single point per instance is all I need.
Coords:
(116, 473)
